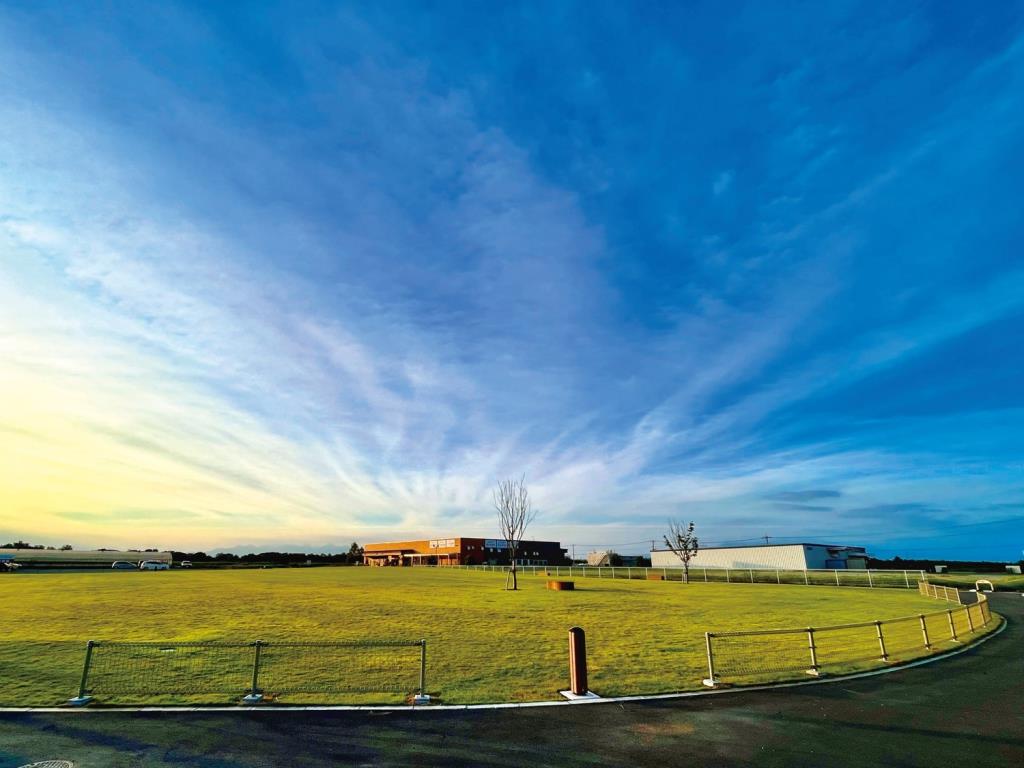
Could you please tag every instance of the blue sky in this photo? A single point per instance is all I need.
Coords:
(290, 277)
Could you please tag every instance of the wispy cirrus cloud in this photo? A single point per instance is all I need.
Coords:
(337, 286)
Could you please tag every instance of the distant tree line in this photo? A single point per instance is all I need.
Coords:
(25, 545)
(353, 556)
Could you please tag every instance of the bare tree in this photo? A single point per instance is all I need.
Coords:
(515, 513)
(682, 541)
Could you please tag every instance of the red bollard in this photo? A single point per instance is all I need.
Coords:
(577, 661)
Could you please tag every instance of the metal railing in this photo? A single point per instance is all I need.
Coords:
(768, 653)
(808, 577)
(252, 670)
(939, 592)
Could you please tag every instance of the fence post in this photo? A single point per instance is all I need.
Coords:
(952, 626)
(906, 579)
(870, 582)
(83, 696)
(881, 641)
(806, 582)
(778, 578)
(814, 653)
(705, 575)
(924, 631)
(710, 682)
(837, 576)
(727, 577)
(970, 619)
(751, 575)
(423, 671)
(254, 696)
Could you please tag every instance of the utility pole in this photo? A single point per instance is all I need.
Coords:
(766, 539)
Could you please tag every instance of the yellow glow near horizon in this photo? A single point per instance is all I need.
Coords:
(99, 446)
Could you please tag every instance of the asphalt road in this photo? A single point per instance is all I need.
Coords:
(967, 710)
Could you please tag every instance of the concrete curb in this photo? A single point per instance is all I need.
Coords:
(527, 704)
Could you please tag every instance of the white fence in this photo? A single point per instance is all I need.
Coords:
(830, 577)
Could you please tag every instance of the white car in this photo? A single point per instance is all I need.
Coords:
(154, 565)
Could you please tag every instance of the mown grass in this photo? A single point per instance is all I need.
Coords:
(484, 644)
(1001, 581)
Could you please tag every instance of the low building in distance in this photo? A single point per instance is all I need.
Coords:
(790, 557)
(608, 557)
(99, 558)
(462, 551)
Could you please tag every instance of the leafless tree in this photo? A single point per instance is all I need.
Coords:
(683, 542)
(515, 513)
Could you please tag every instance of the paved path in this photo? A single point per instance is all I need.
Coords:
(967, 710)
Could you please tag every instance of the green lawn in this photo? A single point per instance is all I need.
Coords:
(484, 644)
(1001, 581)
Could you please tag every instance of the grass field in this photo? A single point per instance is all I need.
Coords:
(484, 644)
(1001, 581)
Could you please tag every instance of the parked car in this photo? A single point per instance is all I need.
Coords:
(186, 563)
(154, 565)
(123, 565)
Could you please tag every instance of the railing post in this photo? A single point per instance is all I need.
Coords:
(727, 577)
(254, 696)
(870, 582)
(952, 626)
(710, 682)
(906, 579)
(837, 576)
(881, 641)
(814, 653)
(705, 575)
(751, 575)
(806, 582)
(83, 696)
(924, 631)
(423, 667)
(422, 697)
(970, 619)
(778, 577)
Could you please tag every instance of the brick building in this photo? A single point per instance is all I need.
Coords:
(462, 551)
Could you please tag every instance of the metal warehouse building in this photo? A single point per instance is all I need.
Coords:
(462, 551)
(794, 557)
